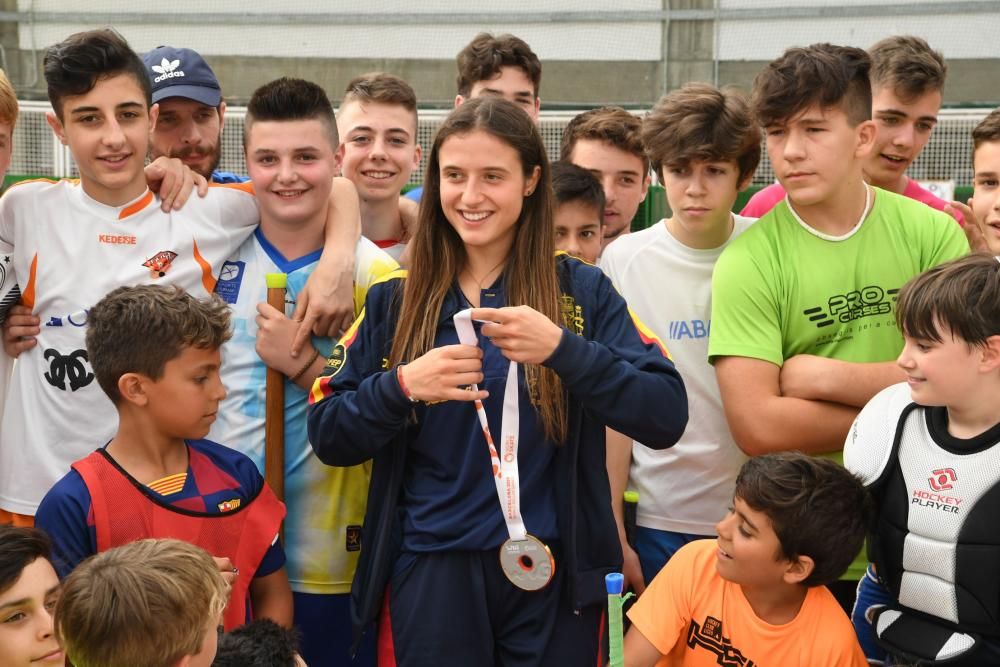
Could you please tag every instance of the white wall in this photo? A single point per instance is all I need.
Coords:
(563, 41)
(956, 35)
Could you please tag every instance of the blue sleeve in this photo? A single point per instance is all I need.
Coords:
(63, 517)
(621, 374)
(273, 560)
(227, 177)
(358, 408)
(415, 194)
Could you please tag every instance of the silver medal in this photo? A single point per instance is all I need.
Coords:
(528, 563)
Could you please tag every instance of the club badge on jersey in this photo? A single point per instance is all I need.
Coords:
(10, 293)
(525, 560)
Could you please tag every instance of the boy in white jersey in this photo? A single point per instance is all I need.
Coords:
(172, 186)
(292, 152)
(377, 121)
(75, 241)
(802, 303)
(704, 146)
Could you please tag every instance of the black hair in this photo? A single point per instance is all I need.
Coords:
(959, 297)
(74, 65)
(288, 99)
(573, 183)
(483, 58)
(262, 643)
(816, 507)
(821, 74)
(19, 548)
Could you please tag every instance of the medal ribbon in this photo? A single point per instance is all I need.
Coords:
(505, 471)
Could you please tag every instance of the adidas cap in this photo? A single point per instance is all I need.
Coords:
(181, 73)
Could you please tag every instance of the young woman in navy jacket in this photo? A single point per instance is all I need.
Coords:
(445, 568)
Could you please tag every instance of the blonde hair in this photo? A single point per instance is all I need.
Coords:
(8, 101)
(143, 604)
(381, 88)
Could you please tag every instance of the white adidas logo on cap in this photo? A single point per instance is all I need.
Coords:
(166, 70)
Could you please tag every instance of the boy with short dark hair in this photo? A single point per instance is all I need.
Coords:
(928, 451)
(502, 65)
(75, 241)
(756, 595)
(189, 127)
(291, 145)
(907, 78)
(377, 121)
(704, 147)
(607, 142)
(29, 589)
(150, 603)
(262, 643)
(155, 352)
(579, 211)
(802, 303)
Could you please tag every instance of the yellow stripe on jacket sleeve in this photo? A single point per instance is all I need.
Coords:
(335, 362)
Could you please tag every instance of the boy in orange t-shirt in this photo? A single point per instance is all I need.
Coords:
(756, 595)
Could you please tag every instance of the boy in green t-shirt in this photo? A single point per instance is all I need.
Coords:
(803, 332)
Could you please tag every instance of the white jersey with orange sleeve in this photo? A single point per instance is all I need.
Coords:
(69, 252)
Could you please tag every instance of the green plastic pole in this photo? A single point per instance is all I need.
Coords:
(614, 583)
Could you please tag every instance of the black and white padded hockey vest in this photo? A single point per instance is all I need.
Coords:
(936, 539)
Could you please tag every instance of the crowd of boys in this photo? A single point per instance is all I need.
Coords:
(144, 331)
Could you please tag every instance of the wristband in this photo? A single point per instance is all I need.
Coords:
(402, 385)
(306, 366)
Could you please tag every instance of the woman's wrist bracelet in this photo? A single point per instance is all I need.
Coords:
(312, 358)
(402, 385)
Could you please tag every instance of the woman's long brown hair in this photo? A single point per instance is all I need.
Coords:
(438, 254)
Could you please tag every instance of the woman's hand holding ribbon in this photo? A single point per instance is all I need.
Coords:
(445, 373)
(521, 333)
